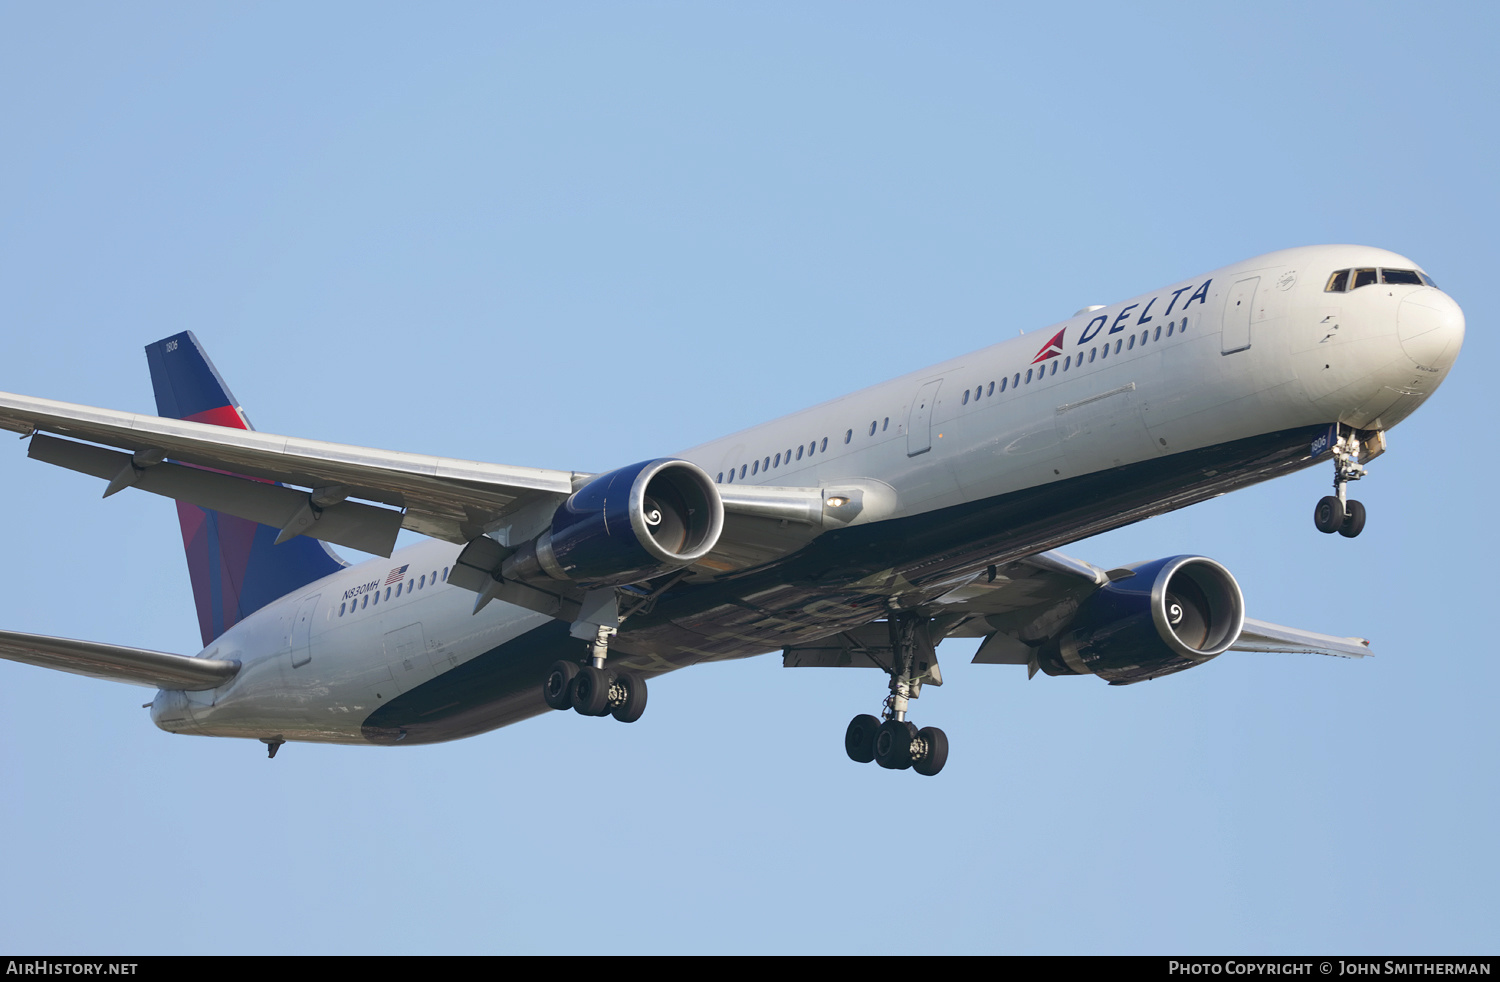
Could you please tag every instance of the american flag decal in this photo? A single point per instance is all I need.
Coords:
(396, 574)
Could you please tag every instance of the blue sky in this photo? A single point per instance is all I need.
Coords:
(579, 235)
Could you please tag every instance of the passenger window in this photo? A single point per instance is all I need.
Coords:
(1092, 353)
(731, 477)
(848, 436)
(422, 582)
(1131, 344)
(1338, 282)
(787, 456)
(1400, 277)
(1054, 366)
(1066, 362)
(742, 471)
(767, 465)
(992, 389)
(1171, 327)
(1363, 277)
(1002, 384)
(824, 447)
(387, 593)
(1016, 381)
(872, 427)
(1158, 333)
(365, 602)
(1184, 324)
(1118, 343)
(377, 596)
(445, 574)
(966, 397)
(777, 461)
(341, 610)
(1028, 376)
(799, 451)
(886, 425)
(755, 467)
(1145, 336)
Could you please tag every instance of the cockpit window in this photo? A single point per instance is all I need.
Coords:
(1405, 277)
(1340, 281)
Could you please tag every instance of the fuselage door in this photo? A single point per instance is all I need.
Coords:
(302, 631)
(1237, 315)
(919, 420)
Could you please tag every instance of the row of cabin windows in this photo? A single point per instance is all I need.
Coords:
(1099, 352)
(785, 456)
(1352, 279)
(373, 598)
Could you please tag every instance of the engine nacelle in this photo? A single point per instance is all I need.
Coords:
(1173, 614)
(627, 526)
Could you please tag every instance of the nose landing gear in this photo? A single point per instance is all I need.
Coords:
(894, 742)
(1337, 512)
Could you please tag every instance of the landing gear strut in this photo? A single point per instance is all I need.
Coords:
(594, 690)
(1337, 512)
(892, 741)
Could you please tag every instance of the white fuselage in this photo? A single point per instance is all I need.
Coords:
(1253, 348)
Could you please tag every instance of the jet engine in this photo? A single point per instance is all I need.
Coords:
(1165, 616)
(627, 526)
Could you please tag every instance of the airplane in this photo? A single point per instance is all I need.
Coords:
(859, 533)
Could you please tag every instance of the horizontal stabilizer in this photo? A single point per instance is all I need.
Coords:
(1263, 636)
(117, 663)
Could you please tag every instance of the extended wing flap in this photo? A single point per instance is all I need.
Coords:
(363, 527)
(117, 663)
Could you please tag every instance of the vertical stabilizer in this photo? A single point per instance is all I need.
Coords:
(235, 565)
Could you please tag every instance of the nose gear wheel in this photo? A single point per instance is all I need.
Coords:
(1338, 512)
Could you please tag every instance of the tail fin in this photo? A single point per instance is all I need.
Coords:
(235, 565)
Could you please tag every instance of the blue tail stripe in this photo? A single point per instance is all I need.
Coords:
(185, 381)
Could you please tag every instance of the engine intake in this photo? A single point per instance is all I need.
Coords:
(1171, 615)
(627, 526)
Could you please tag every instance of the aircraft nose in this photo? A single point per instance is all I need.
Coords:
(1431, 328)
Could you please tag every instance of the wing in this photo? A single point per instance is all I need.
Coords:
(1028, 601)
(1263, 636)
(455, 500)
(258, 475)
(117, 663)
(1018, 606)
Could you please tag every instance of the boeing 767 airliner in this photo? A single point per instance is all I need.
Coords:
(858, 533)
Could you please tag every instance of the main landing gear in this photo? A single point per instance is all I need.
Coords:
(893, 741)
(1337, 512)
(594, 690)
